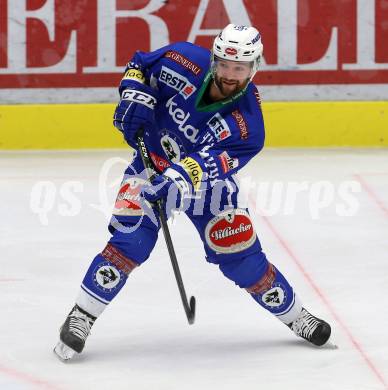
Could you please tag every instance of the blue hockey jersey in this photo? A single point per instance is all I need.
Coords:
(207, 142)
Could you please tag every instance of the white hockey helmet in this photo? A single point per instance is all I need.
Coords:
(239, 43)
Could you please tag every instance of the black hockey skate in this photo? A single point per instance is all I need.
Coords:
(73, 333)
(311, 328)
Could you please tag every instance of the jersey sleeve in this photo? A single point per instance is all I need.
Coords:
(140, 68)
(165, 69)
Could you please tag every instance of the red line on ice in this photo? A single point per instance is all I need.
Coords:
(27, 378)
(321, 295)
(372, 194)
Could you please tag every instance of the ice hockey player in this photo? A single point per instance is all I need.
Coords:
(203, 122)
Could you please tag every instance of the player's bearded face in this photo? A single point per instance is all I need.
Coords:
(230, 76)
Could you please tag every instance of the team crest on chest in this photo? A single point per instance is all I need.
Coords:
(172, 146)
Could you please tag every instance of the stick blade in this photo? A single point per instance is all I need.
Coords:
(191, 314)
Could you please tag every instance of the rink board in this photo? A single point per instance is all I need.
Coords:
(74, 126)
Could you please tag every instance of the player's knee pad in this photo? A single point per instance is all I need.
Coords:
(244, 270)
(136, 244)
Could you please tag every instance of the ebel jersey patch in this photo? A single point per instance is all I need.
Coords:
(176, 81)
(219, 127)
(230, 231)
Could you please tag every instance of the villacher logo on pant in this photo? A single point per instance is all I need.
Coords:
(230, 231)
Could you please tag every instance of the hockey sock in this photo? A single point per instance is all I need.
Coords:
(104, 279)
(275, 294)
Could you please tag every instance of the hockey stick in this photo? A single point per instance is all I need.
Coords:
(189, 308)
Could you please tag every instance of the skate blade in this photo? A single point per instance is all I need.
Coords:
(64, 352)
(330, 345)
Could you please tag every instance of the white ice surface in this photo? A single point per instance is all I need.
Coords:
(337, 264)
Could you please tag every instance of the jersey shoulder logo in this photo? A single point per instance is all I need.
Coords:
(241, 123)
(183, 61)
